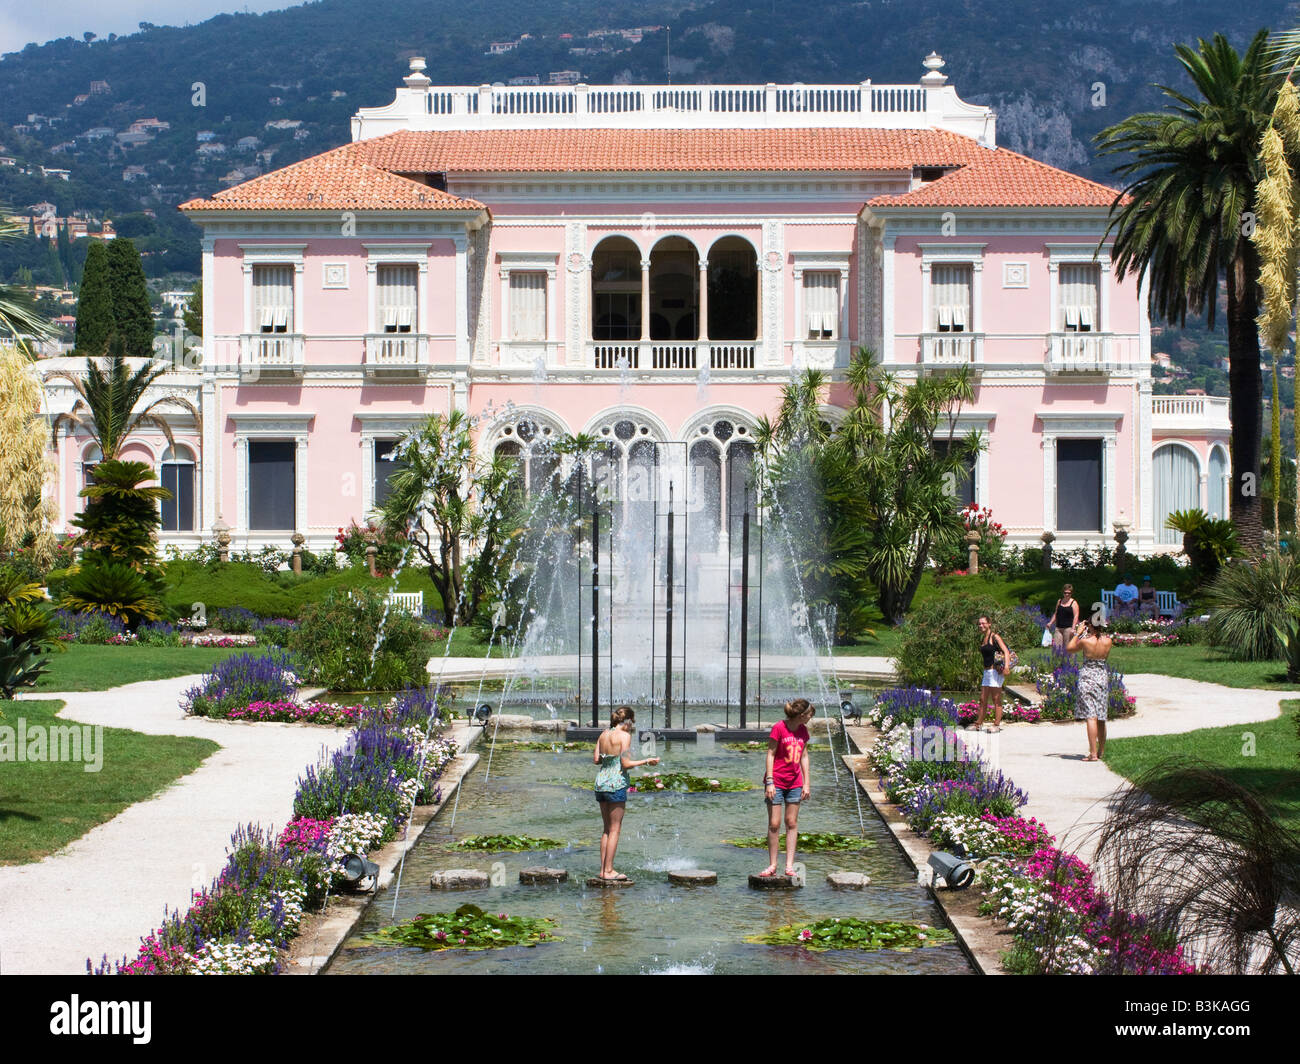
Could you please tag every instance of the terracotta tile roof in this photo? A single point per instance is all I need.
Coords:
(338, 180)
(367, 175)
(1001, 178)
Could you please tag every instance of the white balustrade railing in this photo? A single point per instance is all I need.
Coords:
(422, 105)
(397, 351)
(271, 352)
(952, 349)
(1210, 409)
(664, 354)
(1085, 352)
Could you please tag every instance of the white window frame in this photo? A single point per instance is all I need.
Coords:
(546, 306)
(197, 489)
(528, 262)
(964, 423)
(1090, 425)
(971, 255)
(1078, 255)
(293, 428)
(397, 255)
(818, 352)
(273, 255)
(379, 426)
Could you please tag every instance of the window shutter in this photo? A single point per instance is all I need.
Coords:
(273, 298)
(396, 297)
(527, 305)
(950, 294)
(1079, 294)
(821, 294)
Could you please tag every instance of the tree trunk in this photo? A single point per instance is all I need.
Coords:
(1246, 394)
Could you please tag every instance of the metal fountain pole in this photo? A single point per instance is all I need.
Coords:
(668, 620)
(744, 612)
(595, 609)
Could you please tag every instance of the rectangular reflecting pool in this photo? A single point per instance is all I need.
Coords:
(651, 927)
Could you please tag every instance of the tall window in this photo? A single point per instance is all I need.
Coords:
(178, 478)
(527, 305)
(950, 297)
(964, 487)
(1218, 485)
(386, 463)
(89, 460)
(273, 299)
(396, 298)
(1079, 287)
(1078, 485)
(616, 290)
(821, 302)
(1177, 487)
(271, 484)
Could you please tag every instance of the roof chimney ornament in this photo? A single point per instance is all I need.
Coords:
(417, 78)
(934, 63)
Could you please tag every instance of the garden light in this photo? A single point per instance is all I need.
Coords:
(954, 871)
(849, 711)
(482, 713)
(356, 870)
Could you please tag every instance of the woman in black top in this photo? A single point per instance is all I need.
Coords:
(991, 683)
(1065, 618)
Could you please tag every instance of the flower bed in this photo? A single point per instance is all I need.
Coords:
(1061, 921)
(1057, 680)
(241, 680)
(354, 801)
(329, 713)
(212, 639)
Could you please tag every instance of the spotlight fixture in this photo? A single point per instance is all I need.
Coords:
(848, 710)
(953, 870)
(482, 713)
(359, 874)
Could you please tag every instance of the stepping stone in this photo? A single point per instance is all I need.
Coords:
(757, 882)
(459, 879)
(596, 881)
(693, 877)
(541, 874)
(848, 880)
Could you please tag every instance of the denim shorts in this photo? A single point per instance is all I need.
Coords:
(786, 796)
(619, 795)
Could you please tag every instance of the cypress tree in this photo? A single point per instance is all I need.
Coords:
(193, 314)
(131, 310)
(65, 253)
(95, 322)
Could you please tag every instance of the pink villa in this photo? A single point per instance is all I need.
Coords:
(650, 265)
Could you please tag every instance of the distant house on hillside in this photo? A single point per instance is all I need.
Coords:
(284, 123)
(301, 134)
(50, 172)
(526, 79)
(564, 77)
(131, 140)
(99, 88)
(80, 98)
(8, 160)
(135, 173)
(248, 144)
(97, 133)
(214, 147)
(148, 125)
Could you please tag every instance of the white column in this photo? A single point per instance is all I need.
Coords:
(1146, 481)
(1049, 483)
(1203, 501)
(462, 299)
(241, 486)
(300, 485)
(552, 329)
(703, 330)
(505, 304)
(645, 300)
(887, 298)
(209, 450)
(1107, 483)
(799, 332)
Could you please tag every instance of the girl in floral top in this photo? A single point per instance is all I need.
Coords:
(611, 783)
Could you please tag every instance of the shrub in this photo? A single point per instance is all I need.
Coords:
(239, 680)
(88, 629)
(236, 620)
(336, 639)
(158, 634)
(100, 585)
(1208, 541)
(940, 644)
(1248, 598)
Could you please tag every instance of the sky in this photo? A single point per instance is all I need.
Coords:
(23, 21)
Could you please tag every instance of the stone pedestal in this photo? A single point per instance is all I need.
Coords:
(757, 882)
(459, 879)
(848, 880)
(973, 552)
(541, 874)
(596, 881)
(1047, 538)
(371, 553)
(693, 877)
(295, 562)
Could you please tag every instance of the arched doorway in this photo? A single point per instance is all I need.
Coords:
(616, 290)
(733, 290)
(674, 290)
(1177, 478)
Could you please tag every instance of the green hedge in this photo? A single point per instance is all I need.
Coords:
(940, 645)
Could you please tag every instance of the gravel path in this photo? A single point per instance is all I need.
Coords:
(1069, 794)
(106, 890)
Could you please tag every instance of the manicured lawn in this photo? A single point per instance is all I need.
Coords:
(46, 805)
(96, 668)
(1202, 663)
(1273, 770)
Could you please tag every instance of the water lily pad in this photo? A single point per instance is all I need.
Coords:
(468, 928)
(500, 843)
(847, 932)
(811, 842)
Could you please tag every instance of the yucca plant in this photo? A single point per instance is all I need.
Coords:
(26, 633)
(1250, 599)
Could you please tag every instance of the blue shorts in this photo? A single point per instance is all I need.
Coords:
(786, 796)
(612, 796)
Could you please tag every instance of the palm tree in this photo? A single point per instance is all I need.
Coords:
(107, 398)
(18, 314)
(1184, 219)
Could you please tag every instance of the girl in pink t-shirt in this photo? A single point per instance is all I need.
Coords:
(787, 781)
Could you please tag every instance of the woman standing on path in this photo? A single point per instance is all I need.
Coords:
(1065, 617)
(991, 645)
(1094, 685)
(612, 783)
(787, 781)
